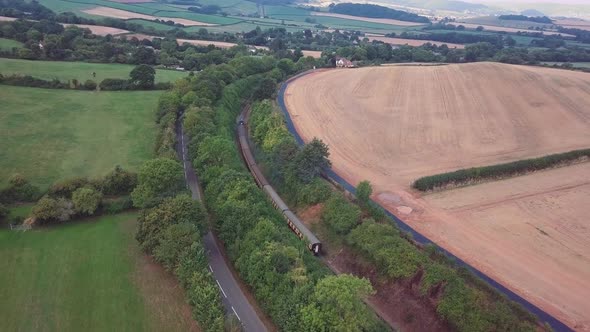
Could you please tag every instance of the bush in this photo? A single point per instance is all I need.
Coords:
(465, 176)
(114, 84)
(19, 190)
(158, 179)
(65, 188)
(30, 81)
(340, 215)
(49, 209)
(89, 85)
(116, 205)
(118, 182)
(3, 211)
(317, 191)
(174, 240)
(86, 200)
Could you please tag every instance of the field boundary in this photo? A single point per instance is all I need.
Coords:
(474, 175)
(543, 316)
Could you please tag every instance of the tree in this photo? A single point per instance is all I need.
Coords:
(311, 160)
(157, 179)
(143, 77)
(174, 240)
(119, 182)
(50, 209)
(337, 305)
(364, 191)
(86, 200)
(340, 215)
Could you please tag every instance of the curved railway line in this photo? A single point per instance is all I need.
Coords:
(313, 243)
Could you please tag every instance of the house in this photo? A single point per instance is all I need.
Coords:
(343, 63)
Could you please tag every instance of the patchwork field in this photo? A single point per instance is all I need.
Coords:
(86, 276)
(81, 71)
(391, 125)
(367, 19)
(123, 14)
(412, 42)
(48, 134)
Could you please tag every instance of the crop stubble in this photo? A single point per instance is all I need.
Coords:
(392, 125)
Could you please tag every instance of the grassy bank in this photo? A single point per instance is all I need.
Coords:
(48, 135)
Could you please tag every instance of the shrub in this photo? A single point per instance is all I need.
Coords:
(317, 191)
(89, 85)
(114, 84)
(116, 205)
(30, 81)
(66, 187)
(49, 209)
(3, 211)
(86, 200)
(363, 192)
(340, 215)
(19, 190)
(119, 182)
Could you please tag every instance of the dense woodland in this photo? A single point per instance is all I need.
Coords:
(536, 19)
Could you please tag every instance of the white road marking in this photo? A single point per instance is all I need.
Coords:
(210, 269)
(234, 310)
(220, 288)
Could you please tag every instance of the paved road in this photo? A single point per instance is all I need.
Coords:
(234, 300)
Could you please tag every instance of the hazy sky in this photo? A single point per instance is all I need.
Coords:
(577, 2)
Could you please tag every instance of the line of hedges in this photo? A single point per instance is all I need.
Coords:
(466, 176)
(108, 84)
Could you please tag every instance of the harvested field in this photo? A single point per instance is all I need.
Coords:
(7, 19)
(196, 42)
(368, 19)
(125, 15)
(391, 125)
(574, 23)
(412, 42)
(507, 29)
(315, 54)
(99, 30)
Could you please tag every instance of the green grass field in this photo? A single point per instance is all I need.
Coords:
(48, 134)
(81, 71)
(82, 276)
(8, 44)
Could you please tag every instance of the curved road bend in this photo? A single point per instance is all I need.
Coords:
(233, 298)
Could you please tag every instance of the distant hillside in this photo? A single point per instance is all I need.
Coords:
(537, 19)
(532, 12)
(374, 11)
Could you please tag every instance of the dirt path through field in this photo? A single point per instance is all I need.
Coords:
(391, 125)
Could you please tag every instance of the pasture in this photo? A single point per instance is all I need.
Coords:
(392, 125)
(85, 276)
(81, 71)
(9, 44)
(48, 134)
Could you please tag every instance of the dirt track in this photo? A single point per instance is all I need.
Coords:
(391, 125)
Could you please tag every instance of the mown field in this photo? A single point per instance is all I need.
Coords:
(83, 276)
(48, 134)
(81, 71)
(8, 44)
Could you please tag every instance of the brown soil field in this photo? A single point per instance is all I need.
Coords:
(7, 19)
(411, 42)
(99, 30)
(391, 125)
(125, 15)
(368, 19)
(507, 29)
(314, 54)
(574, 24)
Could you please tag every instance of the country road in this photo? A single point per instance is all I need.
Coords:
(234, 300)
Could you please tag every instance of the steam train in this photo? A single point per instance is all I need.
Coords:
(294, 223)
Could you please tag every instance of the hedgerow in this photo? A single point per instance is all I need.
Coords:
(469, 175)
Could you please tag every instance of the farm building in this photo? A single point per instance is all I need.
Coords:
(343, 63)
